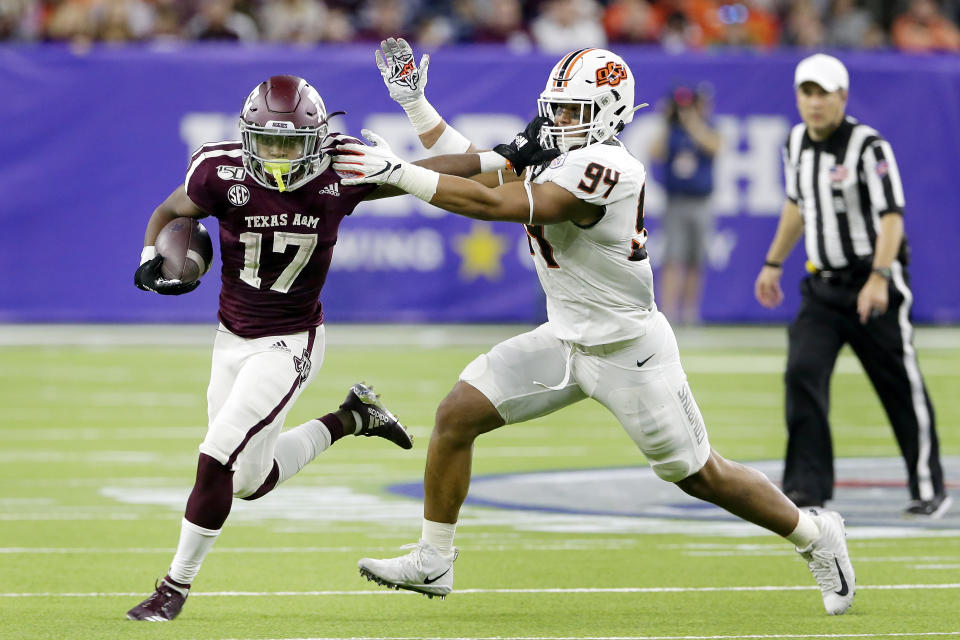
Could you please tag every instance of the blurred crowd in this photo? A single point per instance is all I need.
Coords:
(551, 25)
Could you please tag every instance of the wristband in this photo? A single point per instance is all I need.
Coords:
(450, 141)
(771, 263)
(418, 181)
(148, 253)
(422, 115)
(883, 272)
(492, 161)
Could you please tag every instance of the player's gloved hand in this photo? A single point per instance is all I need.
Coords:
(377, 164)
(525, 150)
(403, 78)
(149, 278)
(367, 164)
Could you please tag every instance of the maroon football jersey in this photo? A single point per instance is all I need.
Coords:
(275, 246)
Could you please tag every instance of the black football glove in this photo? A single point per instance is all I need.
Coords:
(525, 150)
(149, 278)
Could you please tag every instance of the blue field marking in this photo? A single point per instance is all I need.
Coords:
(871, 492)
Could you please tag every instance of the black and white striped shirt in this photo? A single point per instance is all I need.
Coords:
(841, 185)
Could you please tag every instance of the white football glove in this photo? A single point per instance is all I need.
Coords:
(377, 164)
(362, 164)
(404, 80)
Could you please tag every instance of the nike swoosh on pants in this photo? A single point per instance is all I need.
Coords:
(640, 364)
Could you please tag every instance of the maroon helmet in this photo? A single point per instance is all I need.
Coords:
(282, 126)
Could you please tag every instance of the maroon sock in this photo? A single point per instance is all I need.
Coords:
(334, 426)
(209, 503)
(272, 478)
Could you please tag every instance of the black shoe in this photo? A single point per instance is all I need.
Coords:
(164, 605)
(375, 419)
(931, 509)
(803, 500)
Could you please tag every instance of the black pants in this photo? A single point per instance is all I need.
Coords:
(826, 321)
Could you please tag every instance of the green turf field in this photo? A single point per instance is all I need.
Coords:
(99, 450)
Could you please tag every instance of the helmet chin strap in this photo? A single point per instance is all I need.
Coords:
(638, 107)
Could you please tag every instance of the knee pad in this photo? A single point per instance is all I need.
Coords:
(247, 479)
(475, 369)
(674, 470)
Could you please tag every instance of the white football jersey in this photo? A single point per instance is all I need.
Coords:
(597, 278)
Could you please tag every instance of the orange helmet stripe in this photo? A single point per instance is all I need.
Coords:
(567, 65)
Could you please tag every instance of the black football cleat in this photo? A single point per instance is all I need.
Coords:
(162, 606)
(929, 509)
(375, 419)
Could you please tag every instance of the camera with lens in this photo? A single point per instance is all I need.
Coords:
(683, 97)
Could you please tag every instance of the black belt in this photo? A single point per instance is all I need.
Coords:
(856, 273)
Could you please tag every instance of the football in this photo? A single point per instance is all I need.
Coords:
(186, 249)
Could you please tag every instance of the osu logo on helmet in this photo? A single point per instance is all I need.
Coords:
(600, 83)
(611, 74)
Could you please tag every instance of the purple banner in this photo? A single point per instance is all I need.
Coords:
(92, 143)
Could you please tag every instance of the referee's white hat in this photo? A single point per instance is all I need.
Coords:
(826, 71)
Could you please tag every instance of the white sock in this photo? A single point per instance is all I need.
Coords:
(357, 421)
(195, 544)
(808, 530)
(440, 535)
(298, 446)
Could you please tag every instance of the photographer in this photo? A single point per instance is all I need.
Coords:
(686, 147)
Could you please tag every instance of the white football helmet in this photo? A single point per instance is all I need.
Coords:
(601, 84)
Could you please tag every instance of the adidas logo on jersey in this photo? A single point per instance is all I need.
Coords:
(280, 346)
(331, 190)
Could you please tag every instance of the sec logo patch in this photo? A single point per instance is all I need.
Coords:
(238, 195)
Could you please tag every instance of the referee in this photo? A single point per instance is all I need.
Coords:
(845, 197)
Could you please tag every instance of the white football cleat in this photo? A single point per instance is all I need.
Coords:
(424, 570)
(829, 562)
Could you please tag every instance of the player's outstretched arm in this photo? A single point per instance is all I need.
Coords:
(148, 277)
(407, 81)
(515, 202)
(488, 167)
(466, 165)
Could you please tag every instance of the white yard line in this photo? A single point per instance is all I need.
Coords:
(912, 634)
(388, 335)
(585, 545)
(460, 592)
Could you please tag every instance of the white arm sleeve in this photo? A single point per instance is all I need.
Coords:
(450, 141)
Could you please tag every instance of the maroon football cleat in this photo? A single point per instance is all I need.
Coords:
(164, 605)
(375, 419)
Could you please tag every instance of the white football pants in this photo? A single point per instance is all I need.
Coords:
(641, 381)
(253, 384)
